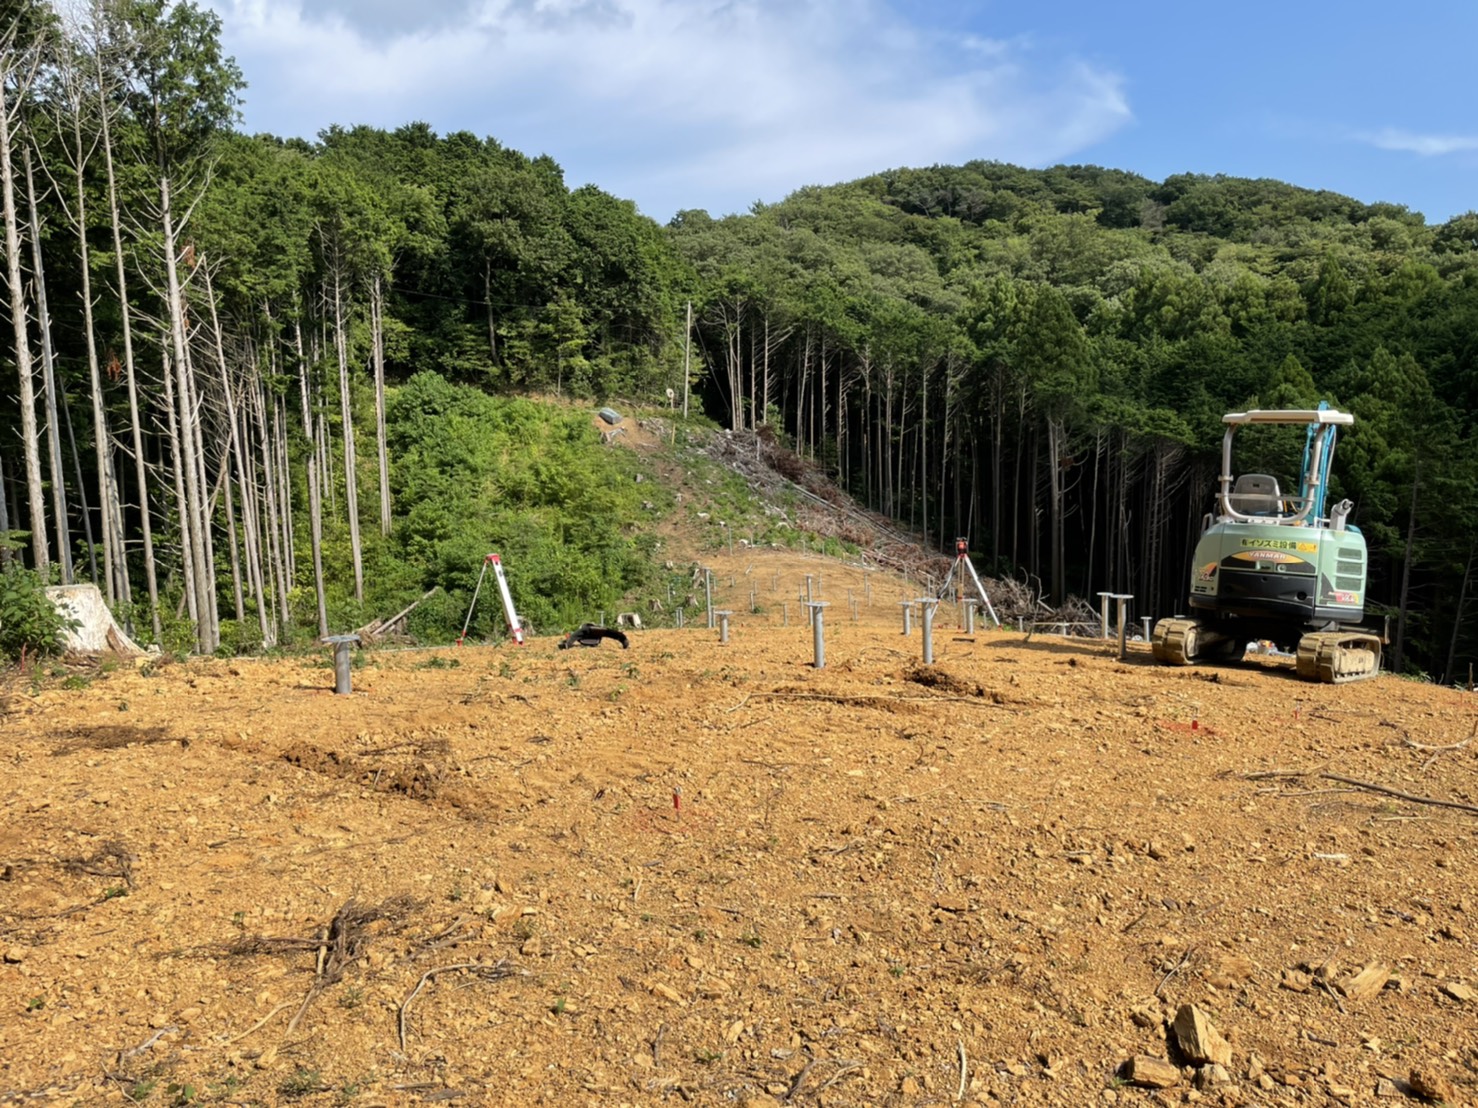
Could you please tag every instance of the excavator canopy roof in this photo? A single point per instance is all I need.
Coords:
(1324, 415)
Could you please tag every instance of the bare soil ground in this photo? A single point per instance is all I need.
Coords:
(694, 872)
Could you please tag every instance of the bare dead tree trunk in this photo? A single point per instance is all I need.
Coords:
(196, 522)
(48, 382)
(177, 467)
(1054, 484)
(288, 541)
(315, 491)
(69, 116)
(141, 475)
(264, 496)
(30, 433)
(1398, 653)
(315, 515)
(231, 539)
(87, 537)
(377, 334)
(5, 552)
(1457, 616)
(351, 482)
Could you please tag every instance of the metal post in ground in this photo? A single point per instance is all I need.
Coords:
(708, 595)
(969, 606)
(1123, 599)
(784, 613)
(927, 607)
(1103, 609)
(907, 606)
(1147, 620)
(678, 616)
(723, 626)
(818, 635)
(342, 644)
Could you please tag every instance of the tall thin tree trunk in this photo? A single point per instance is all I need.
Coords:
(351, 483)
(55, 465)
(232, 541)
(269, 499)
(5, 552)
(141, 475)
(196, 521)
(92, 561)
(487, 293)
(237, 451)
(315, 519)
(1054, 479)
(182, 508)
(377, 335)
(1457, 615)
(110, 511)
(30, 433)
(1398, 654)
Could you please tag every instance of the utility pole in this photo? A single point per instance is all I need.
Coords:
(687, 350)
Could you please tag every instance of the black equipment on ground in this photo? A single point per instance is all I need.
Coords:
(588, 634)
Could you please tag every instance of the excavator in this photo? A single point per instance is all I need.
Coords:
(1273, 567)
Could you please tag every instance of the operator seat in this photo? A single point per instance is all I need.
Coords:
(1256, 494)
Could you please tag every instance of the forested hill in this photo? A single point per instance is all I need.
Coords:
(1038, 359)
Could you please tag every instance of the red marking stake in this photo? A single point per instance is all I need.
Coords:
(677, 801)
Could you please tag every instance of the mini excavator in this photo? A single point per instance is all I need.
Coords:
(1276, 568)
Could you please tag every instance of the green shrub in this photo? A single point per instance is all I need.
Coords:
(28, 620)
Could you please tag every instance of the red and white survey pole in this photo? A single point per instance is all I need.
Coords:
(515, 627)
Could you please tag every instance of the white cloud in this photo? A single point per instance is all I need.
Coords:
(1427, 145)
(674, 103)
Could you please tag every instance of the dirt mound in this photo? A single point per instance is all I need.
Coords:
(702, 873)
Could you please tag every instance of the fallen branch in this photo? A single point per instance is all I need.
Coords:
(260, 1023)
(1290, 775)
(1184, 958)
(1399, 794)
(877, 701)
(844, 1067)
(147, 1043)
(494, 972)
(800, 1079)
(1436, 750)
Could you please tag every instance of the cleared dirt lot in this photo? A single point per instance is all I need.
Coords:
(694, 872)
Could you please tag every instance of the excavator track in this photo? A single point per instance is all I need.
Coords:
(1186, 642)
(1338, 657)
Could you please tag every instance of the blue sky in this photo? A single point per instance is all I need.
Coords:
(718, 103)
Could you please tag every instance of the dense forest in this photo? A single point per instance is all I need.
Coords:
(267, 386)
